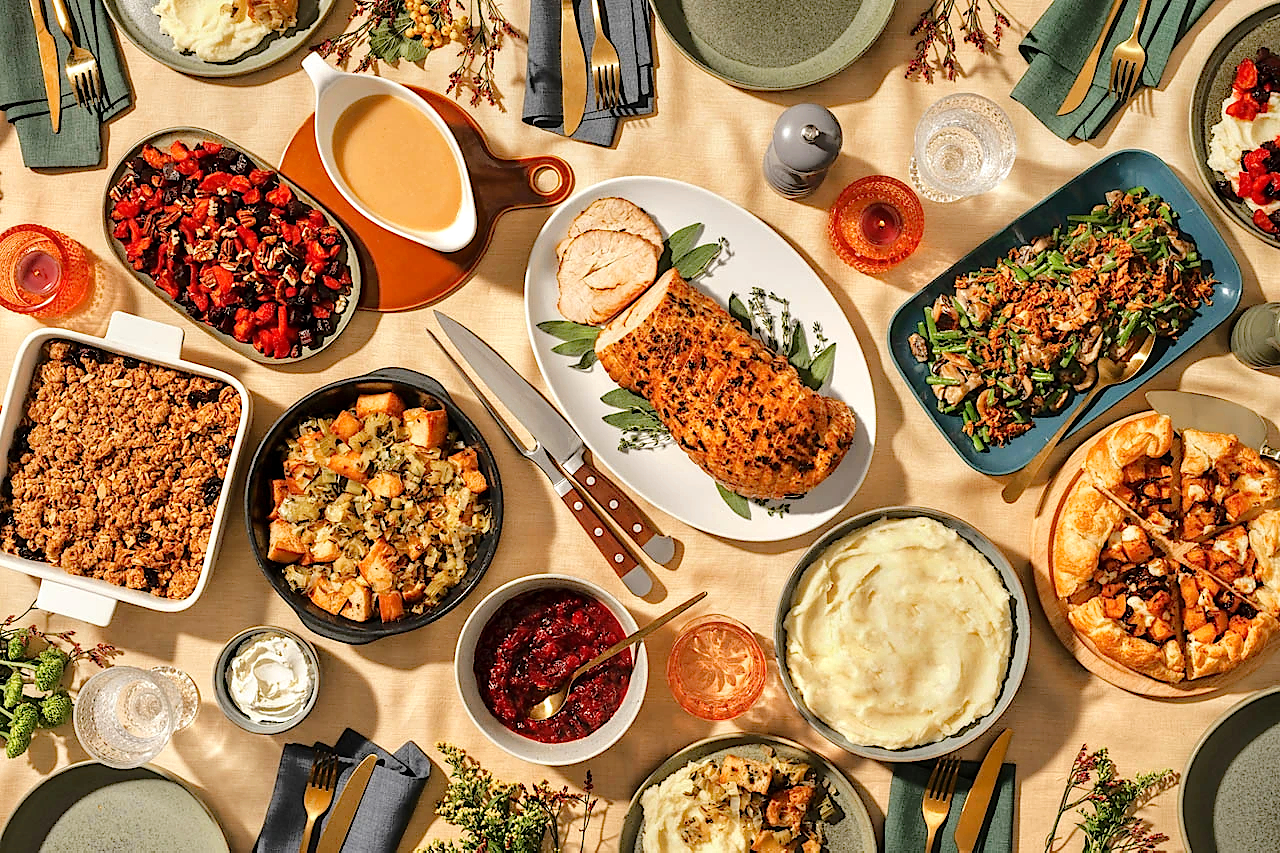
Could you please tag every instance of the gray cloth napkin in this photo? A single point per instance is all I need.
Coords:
(22, 96)
(626, 22)
(394, 788)
(1056, 48)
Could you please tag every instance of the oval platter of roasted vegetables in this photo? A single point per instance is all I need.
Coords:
(232, 244)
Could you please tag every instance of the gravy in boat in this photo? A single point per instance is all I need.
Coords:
(400, 166)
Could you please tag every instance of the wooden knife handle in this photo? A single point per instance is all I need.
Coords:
(616, 503)
(618, 557)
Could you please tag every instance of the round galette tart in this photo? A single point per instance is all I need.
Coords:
(1166, 550)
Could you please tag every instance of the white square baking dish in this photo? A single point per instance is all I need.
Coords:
(90, 599)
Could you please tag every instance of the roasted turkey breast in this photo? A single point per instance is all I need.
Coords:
(613, 214)
(602, 272)
(740, 411)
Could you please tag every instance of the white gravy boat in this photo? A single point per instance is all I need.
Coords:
(337, 90)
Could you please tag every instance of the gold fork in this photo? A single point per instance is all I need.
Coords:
(605, 68)
(937, 796)
(319, 792)
(1128, 60)
(81, 67)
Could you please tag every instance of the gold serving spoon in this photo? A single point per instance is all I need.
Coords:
(551, 706)
(1109, 373)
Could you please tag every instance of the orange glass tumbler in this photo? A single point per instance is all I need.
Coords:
(42, 272)
(876, 224)
(716, 669)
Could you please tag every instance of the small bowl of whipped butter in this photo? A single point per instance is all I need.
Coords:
(266, 679)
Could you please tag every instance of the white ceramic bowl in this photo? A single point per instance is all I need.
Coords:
(335, 91)
(549, 754)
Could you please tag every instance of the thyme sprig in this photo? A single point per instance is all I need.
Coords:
(502, 817)
(1106, 804)
(936, 49)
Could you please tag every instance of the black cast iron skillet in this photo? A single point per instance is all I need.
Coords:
(415, 389)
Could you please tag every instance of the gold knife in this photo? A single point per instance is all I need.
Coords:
(344, 811)
(48, 65)
(573, 68)
(974, 813)
(1085, 78)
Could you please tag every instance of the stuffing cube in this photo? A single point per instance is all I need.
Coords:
(324, 552)
(386, 485)
(359, 606)
(328, 596)
(279, 491)
(748, 775)
(468, 467)
(428, 428)
(379, 566)
(415, 593)
(346, 425)
(788, 807)
(284, 546)
(387, 404)
(390, 606)
(349, 465)
(773, 841)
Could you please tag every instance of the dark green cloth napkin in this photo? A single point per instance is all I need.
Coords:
(626, 23)
(904, 828)
(22, 97)
(1056, 48)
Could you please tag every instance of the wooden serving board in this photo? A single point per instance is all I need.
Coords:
(399, 273)
(1043, 525)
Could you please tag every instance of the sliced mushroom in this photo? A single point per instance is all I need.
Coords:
(1090, 377)
(919, 347)
(1092, 347)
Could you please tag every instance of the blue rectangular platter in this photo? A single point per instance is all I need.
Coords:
(1119, 171)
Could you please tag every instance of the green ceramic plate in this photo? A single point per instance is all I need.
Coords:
(848, 831)
(764, 44)
(1227, 802)
(1261, 29)
(135, 19)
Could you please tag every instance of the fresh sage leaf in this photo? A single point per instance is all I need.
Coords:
(736, 502)
(578, 347)
(694, 262)
(817, 373)
(633, 420)
(740, 313)
(798, 350)
(683, 240)
(620, 398)
(566, 331)
(588, 358)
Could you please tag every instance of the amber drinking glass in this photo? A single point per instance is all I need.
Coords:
(42, 272)
(876, 224)
(716, 670)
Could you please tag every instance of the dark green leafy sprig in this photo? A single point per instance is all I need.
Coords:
(1106, 804)
(497, 817)
(641, 427)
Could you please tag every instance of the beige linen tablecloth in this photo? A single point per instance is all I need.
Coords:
(713, 135)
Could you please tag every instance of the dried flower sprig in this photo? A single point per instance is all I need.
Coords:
(1106, 804)
(391, 30)
(936, 49)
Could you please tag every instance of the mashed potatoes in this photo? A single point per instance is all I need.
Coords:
(676, 805)
(899, 634)
(221, 30)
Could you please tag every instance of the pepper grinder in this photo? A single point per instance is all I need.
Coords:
(806, 141)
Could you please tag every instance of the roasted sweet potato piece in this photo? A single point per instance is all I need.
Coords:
(1160, 630)
(387, 404)
(1206, 633)
(1113, 607)
(346, 425)
(428, 428)
(1193, 618)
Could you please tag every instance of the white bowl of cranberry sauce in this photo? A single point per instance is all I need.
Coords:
(523, 641)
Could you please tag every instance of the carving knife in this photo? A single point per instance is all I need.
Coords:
(557, 441)
(1085, 78)
(573, 68)
(48, 65)
(344, 811)
(974, 813)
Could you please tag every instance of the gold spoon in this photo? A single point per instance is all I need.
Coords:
(1109, 373)
(551, 706)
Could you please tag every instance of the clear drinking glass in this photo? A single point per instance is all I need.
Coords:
(964, 146)
(123, 716)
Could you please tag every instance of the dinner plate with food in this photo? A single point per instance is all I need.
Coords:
(1235, 124)
(747, 792)
(700, 358)
(218, 38)
(1158, 550)
(998, 347)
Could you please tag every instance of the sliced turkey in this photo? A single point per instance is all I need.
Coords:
(602, 272)
(613, 214)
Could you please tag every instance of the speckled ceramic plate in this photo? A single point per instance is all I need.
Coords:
(1229, 799)
(89, 806)
(764, 44)
(1261, 29)
(849, 831)
(135, 19)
